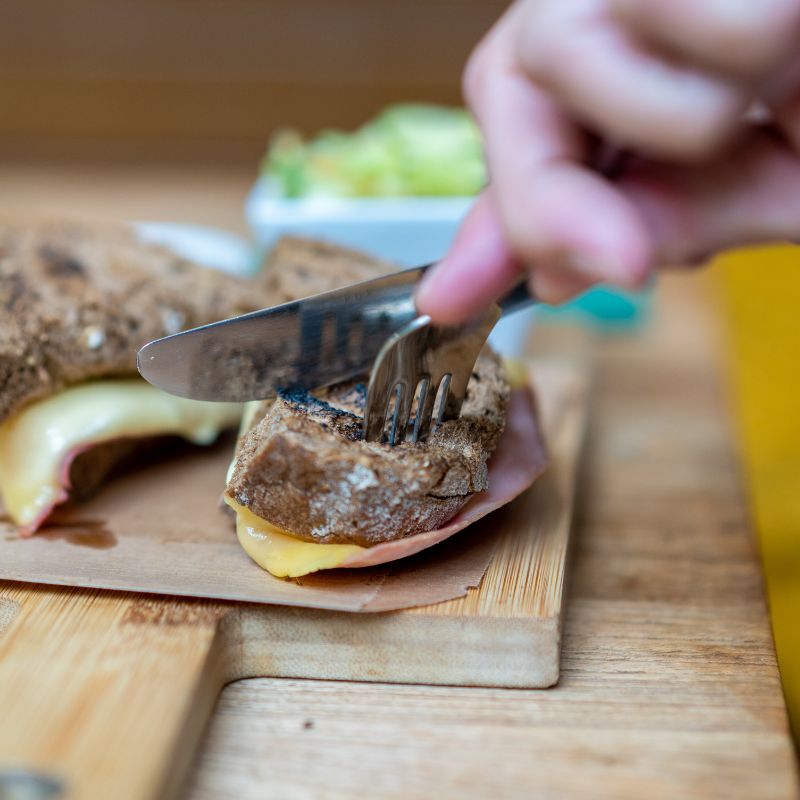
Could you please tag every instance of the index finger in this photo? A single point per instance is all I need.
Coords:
(553, 208)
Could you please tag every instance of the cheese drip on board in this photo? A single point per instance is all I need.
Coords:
(280, 553)
(39, 443)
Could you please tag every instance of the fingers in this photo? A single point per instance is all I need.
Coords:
(480, 268)
(554, 210)
(545, 211)
(751, 197)
(740, 37)
(477, 270)
(687, 215)
(637, 73)
(608, 80)
(563, 215)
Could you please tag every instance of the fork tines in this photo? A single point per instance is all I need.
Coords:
(424, 369)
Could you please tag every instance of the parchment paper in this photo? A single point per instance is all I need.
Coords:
(159, 529)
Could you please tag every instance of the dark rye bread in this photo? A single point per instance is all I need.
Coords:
(303, 466)
(78, 299)
(299, 268)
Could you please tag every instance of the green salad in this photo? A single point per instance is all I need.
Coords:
(409, 150)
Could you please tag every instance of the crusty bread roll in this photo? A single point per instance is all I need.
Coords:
(78, 299)
(303, 466)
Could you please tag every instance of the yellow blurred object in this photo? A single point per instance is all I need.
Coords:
(516, 372)
(761, 288)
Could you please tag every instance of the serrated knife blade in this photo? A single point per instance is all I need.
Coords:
(305, 343)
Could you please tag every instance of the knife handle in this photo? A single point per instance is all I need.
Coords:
(518, 298)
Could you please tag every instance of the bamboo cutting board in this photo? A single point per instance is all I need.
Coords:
(105, 694)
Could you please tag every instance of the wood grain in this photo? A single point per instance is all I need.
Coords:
(669, 686)
(106, 693)
(86, 677)
(194, 78)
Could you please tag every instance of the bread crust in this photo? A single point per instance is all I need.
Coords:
(298, 268)
(78, 299)
(304, 467)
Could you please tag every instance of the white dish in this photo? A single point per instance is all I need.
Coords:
(211, 247)
(406, 230)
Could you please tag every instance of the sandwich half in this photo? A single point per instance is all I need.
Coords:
(77, 301)
(309, 493)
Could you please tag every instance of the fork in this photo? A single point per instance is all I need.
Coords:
(431, 365)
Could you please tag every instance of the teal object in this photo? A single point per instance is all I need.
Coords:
(606, 306)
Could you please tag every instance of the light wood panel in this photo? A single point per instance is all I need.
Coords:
(275, 738)
(103, 693)
(194, 77)
(669, 686)
(108, 693)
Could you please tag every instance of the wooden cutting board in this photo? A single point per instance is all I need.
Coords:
(105, 694)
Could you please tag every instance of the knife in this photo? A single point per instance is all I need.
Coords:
(306, 344)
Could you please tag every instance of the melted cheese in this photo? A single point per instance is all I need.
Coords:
(38, 443)
(282, 554)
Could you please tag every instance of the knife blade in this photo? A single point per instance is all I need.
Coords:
(308, 343)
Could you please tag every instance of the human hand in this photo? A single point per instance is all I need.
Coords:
(670, 82)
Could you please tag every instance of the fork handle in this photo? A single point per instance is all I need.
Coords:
(518, 298)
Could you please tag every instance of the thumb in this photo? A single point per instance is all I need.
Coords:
(478, 269)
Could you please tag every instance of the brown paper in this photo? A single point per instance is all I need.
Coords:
(159, 529)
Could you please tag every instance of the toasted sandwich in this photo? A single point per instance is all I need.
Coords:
(77, 301)
(309, 493)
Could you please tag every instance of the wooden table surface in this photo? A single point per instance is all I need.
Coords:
(669, 681)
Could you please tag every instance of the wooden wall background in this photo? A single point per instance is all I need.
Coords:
(194, 78)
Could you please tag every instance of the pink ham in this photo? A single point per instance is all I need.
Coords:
(64, 485)
(519, 459)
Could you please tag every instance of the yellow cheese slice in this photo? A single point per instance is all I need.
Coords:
(282, 554)
(36, 442)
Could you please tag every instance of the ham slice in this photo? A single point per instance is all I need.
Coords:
(519, 459)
